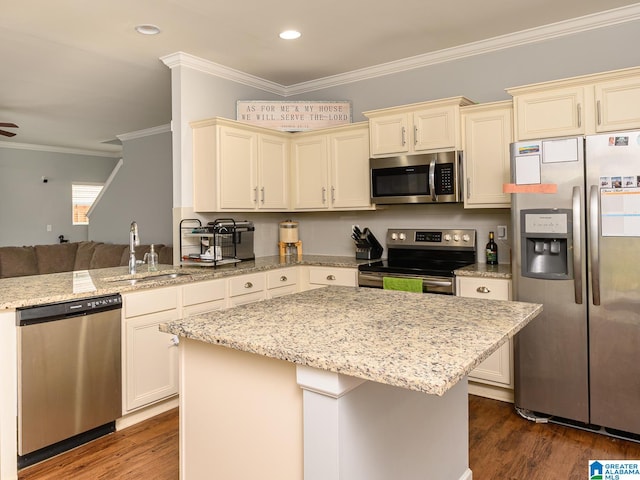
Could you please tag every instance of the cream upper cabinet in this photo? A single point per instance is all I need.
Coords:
(486, 135)
(330, 169)
(415, 128)
(598, 103)
(349, 172)
(555, 113)
(390, 134)
(618, 105)
(310, 171)
(238, 167)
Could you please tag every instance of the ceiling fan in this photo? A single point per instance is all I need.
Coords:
(5, 132)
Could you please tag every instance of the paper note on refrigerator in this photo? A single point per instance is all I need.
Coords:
(527, 169)
(620, 212)
(561, 150)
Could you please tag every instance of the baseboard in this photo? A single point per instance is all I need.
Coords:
(146, 413)
(490, 391)
(467, 475)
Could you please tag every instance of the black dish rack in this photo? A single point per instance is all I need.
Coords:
(208, 245)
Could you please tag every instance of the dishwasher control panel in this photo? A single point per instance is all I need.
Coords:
(55, 311)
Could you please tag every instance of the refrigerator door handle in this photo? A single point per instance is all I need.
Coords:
(577, 247)
(594, 247)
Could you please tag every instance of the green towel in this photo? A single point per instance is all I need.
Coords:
(404, 284)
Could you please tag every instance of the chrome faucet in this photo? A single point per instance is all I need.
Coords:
(134, 240)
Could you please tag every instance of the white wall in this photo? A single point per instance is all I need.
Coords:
(27, 205)
(140, 191)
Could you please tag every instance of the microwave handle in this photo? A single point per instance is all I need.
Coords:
(432, 179)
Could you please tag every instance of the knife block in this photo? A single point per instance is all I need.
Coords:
(367, 246)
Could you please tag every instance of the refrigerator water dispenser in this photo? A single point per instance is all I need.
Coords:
(546, 243)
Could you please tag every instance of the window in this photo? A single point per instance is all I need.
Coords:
(83, 196)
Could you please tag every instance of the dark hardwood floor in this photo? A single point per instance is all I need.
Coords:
(505, 446)
(502, 445)
(145, 451)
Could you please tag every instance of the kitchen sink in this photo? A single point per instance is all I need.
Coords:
(148, 278)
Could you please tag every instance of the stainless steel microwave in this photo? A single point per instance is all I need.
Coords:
(424, 178)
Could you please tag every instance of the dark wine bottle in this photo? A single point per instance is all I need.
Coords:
(492, 251)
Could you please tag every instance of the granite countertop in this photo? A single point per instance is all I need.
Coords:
(425, 342)
(502, 270)
(58, 287)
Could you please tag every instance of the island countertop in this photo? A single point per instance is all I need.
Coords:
(421, 342)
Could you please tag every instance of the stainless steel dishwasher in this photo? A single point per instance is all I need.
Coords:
(69, 375)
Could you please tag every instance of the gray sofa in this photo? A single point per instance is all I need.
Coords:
(66, 257)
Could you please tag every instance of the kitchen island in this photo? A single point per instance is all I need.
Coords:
(335, 383)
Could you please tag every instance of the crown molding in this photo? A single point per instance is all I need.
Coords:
(182, 59)
(55, 149)
(147, 132)
(533, 35)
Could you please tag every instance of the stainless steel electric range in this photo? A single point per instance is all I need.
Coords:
(431, 255)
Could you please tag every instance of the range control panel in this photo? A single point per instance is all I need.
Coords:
(429, 238)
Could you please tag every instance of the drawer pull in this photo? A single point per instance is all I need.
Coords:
(283, 278)
(483, 290)
(248, 285)
(175, 341)
(331, 277)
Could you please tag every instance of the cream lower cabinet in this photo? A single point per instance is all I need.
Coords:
(493, 378)
(486, 135)
(248, 288)
(283, 281)
(150, 360)
(201, 297)
(318, 277)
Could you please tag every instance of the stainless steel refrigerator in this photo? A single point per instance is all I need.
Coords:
(576, 220)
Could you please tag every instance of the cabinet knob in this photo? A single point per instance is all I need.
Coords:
(175, 341)
(331, 277)
(248, 285)
(283, 278)
(483, 289)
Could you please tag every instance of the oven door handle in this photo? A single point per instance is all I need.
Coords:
(425, 281)
(432, 179)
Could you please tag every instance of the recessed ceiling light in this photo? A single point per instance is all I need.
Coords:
(148, 29)
(290, 35)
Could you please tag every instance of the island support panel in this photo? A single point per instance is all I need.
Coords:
(243, 416)
(360, 430)
(240, 415)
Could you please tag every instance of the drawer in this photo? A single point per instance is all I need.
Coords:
(245, 284)
(282, 277)
(202, 292)
(150, 301)
(346, 277)
(490, 288)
